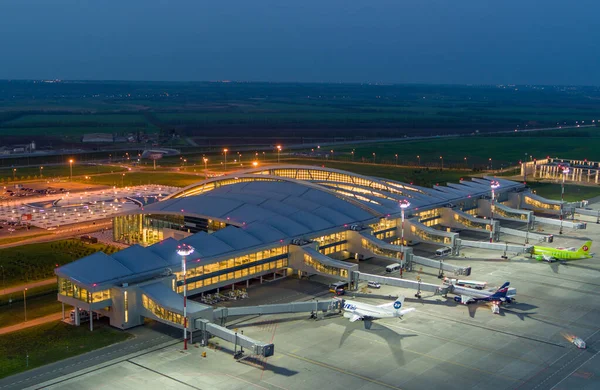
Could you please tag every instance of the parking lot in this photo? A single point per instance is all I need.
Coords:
(442, 344)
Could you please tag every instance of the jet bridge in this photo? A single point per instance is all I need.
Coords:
(503, 212)
(497, 246)
(460, 220)
(222, 313)
(557, 222)
(208, 329)
(306, 258)
(404, 283)
(527, 235)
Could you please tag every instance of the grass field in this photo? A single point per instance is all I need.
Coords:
(52, 342)
(478, 150)
(572, 192)
(140, 178)
(54, 171)
(29, 263)
(41, 301)
(12, 240)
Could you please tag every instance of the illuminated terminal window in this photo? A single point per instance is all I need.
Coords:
(472, 224)
(126, 304)
(69, 289)
(328, 250)
(428, 215)
(326, 269)
(509, 214)
(366, 244)
(541, 205)
(430, 236)
(198, 276)
(334, 238)
(160, 311)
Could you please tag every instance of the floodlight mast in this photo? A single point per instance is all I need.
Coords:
(565, 172)
(494, 185)
(404, 204)
(184, 250)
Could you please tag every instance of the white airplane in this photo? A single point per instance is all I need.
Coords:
(363, 311)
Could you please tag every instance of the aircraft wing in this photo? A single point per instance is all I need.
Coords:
(548, 258)
(465, 298)
(355, 318)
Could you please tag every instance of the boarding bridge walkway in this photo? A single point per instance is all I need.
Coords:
(458, 219)
(527, 234)
(314, 262)
(497, 246)
(208, 329)
(222, 313)
(391, 252)
(591, 213)
(404, 283)
(557, 222)
(504, 212)
(422, 233)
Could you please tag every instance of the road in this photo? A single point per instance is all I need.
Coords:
(29, 324)
(148, 336)
(21, 287)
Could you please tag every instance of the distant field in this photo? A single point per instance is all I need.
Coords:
(140, 178)
(51, 342)
(503, 150)
(52, 171)
(76, 120)
(72, 131)
(573, 193)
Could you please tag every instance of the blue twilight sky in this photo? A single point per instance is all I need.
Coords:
(394, 41)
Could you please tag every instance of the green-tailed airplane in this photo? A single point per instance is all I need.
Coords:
(553, 254)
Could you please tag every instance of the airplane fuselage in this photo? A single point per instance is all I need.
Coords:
(366, 310)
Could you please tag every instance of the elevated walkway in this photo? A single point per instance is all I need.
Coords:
(392, 252)
(496, 246)
(208, 329)
(527, 235)
(460, 220)
(309, 260)
(418, 232)
(404, 283)
(556, 222)
(590, 213)
(504, 212)
(222, 313)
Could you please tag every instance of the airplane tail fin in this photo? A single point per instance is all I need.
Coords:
(585, 248)
(502, 291)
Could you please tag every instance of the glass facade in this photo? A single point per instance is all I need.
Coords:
(430, 236)
(385, 228)
(326, 269)
(366, 244)
(70, 289)
(471, 224)
(206, 187)
(148, 229)
(160, 311)
(234, 268)
(541, 205)
(332, 243)
(126, 305)
(508, 214)
(428, 215)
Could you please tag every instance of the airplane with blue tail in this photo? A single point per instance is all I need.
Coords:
(363, 311)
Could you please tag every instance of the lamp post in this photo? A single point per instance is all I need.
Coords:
(352, 155)
(71, 170)
(25, 302)
(122, 180)
(279, 152)
(565, 172)
(14, 173)
(205, 165)
(184, 250)
(419, 160)
(491, 165)
(494, 184)
(442, 160)
(225, 156)
(403, 205)
(374, 155)
(41, 169)
(396, 155)
(466, 163)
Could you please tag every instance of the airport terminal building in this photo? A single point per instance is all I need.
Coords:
(267, 223)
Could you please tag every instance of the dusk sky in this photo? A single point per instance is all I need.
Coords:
(391, 41)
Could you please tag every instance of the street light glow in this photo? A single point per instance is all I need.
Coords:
(185, 250)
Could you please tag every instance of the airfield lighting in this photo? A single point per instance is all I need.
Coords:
(254, 164)
(278, 152)
(565, 172)
(225, 154)
(404, 204)
(494, 185)
(71, 169)
(184, 250)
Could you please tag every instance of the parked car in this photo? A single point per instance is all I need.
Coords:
(374, 284)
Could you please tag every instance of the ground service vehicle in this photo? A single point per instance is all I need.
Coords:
(338, 288)
(465, 283)
(445, 251)
(393, 267)
(374, 285)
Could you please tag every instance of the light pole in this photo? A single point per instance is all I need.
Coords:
(14, 173)
(442, 160)
(225, 155)
(466, 163)
(71, 170)
(205, 166)
(41, 169)
(352, 155)
(184, 250)
(122, 180)
(419, 160)
(25, 302)
(494, 184)
(396, 158)
(331, 153)
(565, 172)
(374, 155)
(525, 170)
(491, 165)
(403, 205)
(279, 151)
